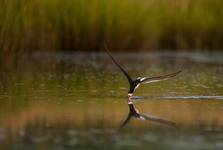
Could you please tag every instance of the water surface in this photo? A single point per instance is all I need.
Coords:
(78, 100)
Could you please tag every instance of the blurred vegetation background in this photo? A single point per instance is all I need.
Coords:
(58, 25)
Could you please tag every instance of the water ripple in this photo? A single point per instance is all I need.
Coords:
(191, 97)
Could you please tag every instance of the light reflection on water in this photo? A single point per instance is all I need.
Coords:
(63, 102)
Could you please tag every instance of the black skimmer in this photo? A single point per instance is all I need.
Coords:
(133, 112)
(134, 83)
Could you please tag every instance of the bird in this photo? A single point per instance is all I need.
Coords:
(135, 83)
(133, 112)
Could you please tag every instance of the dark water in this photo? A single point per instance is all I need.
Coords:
(78, 101)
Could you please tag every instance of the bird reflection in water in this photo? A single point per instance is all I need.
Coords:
(134, 113)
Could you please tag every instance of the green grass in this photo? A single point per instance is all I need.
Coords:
(30, 25)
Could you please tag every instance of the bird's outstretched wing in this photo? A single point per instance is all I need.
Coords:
(157, 119)
(117, 64)
(146, 80)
